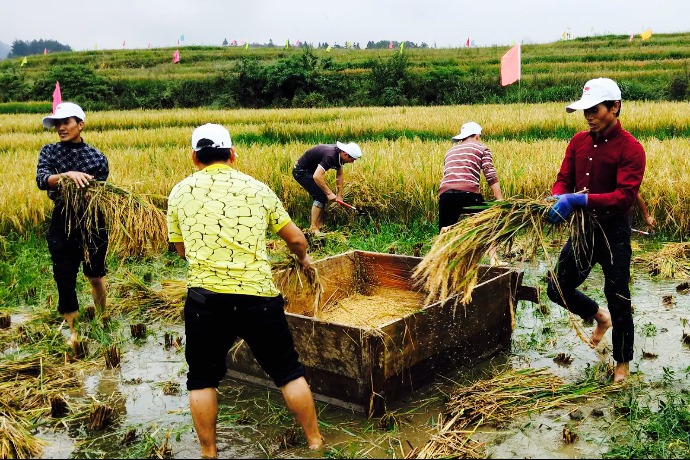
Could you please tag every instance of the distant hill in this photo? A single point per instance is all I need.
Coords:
(4, 50)
(258, 77)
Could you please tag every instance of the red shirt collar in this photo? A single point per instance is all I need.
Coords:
(615, 131)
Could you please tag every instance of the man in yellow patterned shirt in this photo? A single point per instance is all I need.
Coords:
(217, 219)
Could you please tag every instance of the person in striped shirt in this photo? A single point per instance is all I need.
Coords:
(463, 166)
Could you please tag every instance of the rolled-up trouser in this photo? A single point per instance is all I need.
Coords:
(66, 246)
(306, 180)
(609, 246)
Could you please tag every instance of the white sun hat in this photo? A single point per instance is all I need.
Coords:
(351, 149)
(62, 111)
(215, 133)
(595, 92)
(468, 129)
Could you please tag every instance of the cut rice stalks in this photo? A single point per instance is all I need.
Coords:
(671, 261)
(498, 401)
(451, 268)
(298, 285)
(136, 226)
(136, 296)
(16, 441)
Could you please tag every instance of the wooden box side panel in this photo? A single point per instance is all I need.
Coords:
(386, 270)
(336, 358)
(444, 325)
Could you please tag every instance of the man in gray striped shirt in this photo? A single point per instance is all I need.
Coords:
(463, 165)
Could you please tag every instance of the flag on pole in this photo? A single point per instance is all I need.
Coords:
(45, 51)
(564, 35)
(149, 45)
(182, 37)
(246, 46)
(646, 34)
(287, 43)
(472, 44)
(176, 57)
(57, 95)
(24, 61)
(297, 43)
(390, 46)
(234, 43)
(467, 43)
(402, 47)
(631, 37)
(328, 50)
(510, 66)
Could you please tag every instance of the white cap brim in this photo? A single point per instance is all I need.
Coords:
(582, 104)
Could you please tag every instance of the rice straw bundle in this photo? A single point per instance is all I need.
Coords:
(16, 441)
(498, 401)
(671, 261)
(164, 304)
(297, 284)
(136, 225)
(451, 266)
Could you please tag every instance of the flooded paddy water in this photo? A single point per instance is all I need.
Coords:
(147, 392)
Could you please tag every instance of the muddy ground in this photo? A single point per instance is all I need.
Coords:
(148, 392)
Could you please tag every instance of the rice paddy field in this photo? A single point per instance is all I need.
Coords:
(123, 394)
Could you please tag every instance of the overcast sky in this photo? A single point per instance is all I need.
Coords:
(446, 23)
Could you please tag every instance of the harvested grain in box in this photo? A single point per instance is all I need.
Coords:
(373, 309)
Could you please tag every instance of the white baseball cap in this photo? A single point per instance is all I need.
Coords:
(62, 111)
(215, 133)
(468, 129)
(351, 149)
(595, 92)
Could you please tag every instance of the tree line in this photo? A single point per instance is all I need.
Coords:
(21, 48)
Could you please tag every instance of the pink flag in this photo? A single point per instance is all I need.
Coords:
(467, 43)
(242, 43)
(176, 57)
(390, 45)
(510, 66)
(149, 45)
(57, 95)
(45, 50)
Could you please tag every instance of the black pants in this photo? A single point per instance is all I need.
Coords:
(608, 246)
(66, 245)
(214, 321)
(453, 203)
(306, 180)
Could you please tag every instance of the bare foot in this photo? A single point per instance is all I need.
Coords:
(603, 319)
(621, 372)
(72, 338)
(317, 443)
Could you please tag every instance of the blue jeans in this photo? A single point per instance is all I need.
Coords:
(608, 246)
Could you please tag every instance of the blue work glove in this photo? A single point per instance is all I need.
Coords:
(560, 211)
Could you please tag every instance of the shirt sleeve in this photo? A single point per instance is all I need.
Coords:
(488, 167)
(174, 231)
(277, 215)
(628, 180)
(45, 168)
(565, 181)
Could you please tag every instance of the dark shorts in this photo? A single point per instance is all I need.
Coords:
(306, 180)
(213, 322)
(454, 203)
(67, 254)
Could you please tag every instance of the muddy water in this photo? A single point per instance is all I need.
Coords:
(135, 390)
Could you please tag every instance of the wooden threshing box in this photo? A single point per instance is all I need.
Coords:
(365, 368)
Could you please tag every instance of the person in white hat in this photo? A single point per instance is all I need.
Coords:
(463, 165)
(72, 159)
(310, 172)
(217, 219)
(601, 172)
